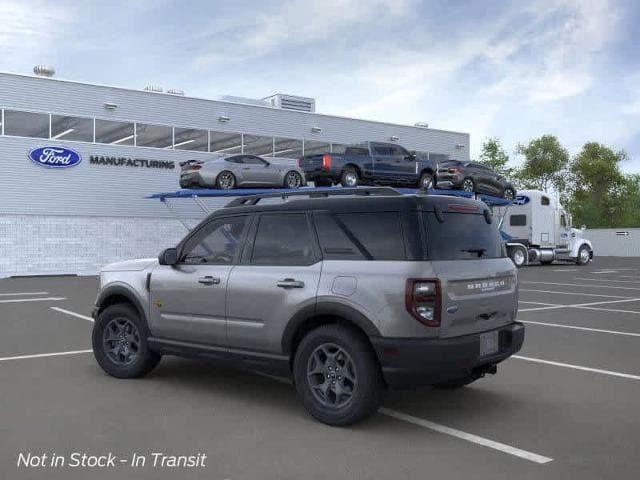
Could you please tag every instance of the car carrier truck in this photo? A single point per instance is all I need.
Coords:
(538, 230)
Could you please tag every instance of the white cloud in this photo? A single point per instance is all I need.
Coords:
(29, 25)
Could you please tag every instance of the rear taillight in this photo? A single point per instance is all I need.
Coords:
(195, 167)
(454, 170)
(422, 299)
(326, 161)
(298, 162)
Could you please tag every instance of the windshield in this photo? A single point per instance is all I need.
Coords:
(462, 236)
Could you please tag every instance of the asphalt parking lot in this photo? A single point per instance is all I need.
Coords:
(568, 406)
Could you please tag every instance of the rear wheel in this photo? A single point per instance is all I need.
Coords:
(349, 177)
(426, 181)
(293, 180)
(584, 255)
(337, 375)
(468, 185)
(226, 180)
(120, 343)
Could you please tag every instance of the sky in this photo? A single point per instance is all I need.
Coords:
(512, 69)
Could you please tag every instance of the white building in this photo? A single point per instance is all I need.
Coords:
(76, 219)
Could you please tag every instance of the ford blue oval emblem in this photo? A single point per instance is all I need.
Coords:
(55, 157)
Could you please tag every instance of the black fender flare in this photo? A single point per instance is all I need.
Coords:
(120, 291)
(334, 309)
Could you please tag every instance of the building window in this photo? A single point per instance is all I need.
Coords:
(225, 142)
(287, 148)
(257, 145)
(114, 133)
(157, 136)
(190, 139)
(71, 128)
(26, 124)
(313, 147)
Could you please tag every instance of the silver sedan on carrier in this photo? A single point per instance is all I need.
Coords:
(227, 172)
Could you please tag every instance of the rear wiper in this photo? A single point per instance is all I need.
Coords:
(479, 251)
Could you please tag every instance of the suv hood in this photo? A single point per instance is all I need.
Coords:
(130, 265)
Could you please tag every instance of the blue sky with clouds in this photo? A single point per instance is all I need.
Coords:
(514, 70)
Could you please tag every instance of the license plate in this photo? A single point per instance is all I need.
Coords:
(488, 343)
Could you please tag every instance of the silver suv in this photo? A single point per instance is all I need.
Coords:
(351, 294)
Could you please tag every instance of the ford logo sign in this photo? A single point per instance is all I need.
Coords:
(55, 157)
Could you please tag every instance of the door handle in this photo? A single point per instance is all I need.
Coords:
(209, 280)
(290, 283)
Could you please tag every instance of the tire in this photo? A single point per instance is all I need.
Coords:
(123, 324)
(518, 256)
(349, 177)
(225, 180)
(292, 179)
(508, 194)
(584, 255)
(363, 382)
(426, 181)
(457, 383)
(468, 185)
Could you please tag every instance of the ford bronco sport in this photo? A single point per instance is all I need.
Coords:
(350, 294)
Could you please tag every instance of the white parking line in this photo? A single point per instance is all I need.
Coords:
(578, 367)
(539, 303)
(43, 299)
(581, 285)
(73, 314)
(610, 280)
(17, 294)
(617, 310)
(578, 305)
(533, 457)
(469, 437)
(565, 270)
(586, 329)
(42, 355)
(571, 293)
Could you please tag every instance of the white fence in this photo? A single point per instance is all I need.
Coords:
(615, 242)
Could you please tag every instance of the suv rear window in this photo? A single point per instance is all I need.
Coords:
(360, 236)
(462, 236)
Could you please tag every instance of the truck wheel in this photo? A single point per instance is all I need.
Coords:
(337, 375)
(426, 181)
(349, 177)
(518, 255)
(584, 255)
(468, 185)
(119, 341)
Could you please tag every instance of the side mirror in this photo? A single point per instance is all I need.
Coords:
(411, 157)
(169, 256)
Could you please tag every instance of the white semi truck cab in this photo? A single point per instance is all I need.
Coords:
(538, 230)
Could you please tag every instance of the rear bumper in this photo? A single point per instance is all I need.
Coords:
(192, 179)
(408, 362)
(318, 173)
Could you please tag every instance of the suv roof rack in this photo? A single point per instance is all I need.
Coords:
(329, 192)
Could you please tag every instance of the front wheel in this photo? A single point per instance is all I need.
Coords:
(468, 185)
(119, 341)
(584, 255)
(518, 256)
(426, 181)
(293, 180)
(226, 180)
(337, 375)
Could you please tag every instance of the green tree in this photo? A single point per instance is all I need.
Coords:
(545, 163)
(601, 195)
(494, 156)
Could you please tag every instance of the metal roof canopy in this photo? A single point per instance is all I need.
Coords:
(197, 194)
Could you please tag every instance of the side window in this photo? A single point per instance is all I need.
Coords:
(236, 159)
(283, 239)
(518, 220)
(398, 151)
(381, 150)
(563, 220)
(219, 242)
(356, 151)
(544, 201)
(360, 236)
(251, 160)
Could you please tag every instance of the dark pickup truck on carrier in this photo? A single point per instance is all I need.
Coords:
(371, 163)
